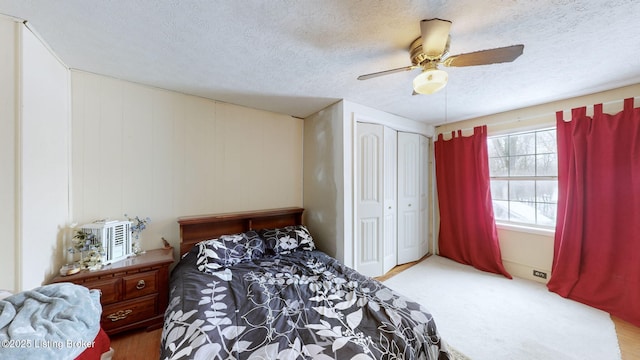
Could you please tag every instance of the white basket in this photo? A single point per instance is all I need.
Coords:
(115, 237)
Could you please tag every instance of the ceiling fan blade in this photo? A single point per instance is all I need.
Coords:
(386, 72)
(435, 34)
(485, 57)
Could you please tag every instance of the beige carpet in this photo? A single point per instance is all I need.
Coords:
(457, 355)
(489, 317)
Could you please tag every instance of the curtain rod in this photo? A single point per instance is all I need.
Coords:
(551, 114)
(590, 108)
(497, 123)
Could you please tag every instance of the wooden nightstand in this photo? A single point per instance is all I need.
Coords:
(135, 291)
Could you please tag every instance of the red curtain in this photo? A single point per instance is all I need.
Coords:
(467, 226)
(597, 241)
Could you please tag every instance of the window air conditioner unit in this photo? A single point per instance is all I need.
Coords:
(115, 237)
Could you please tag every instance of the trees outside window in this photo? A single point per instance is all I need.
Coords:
(523, 168)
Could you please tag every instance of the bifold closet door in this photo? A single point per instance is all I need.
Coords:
(390, 195)
(410, 247)
(375, 189)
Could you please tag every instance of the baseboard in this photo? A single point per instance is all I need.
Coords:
(526, 271)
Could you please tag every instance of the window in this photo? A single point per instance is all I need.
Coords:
(523, 168)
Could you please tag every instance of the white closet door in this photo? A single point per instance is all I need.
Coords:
(368, 247)
(409, 222)
(390, 177)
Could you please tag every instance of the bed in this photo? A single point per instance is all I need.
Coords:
(252, 286)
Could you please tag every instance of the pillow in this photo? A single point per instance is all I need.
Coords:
(229, 250)
(288, 239)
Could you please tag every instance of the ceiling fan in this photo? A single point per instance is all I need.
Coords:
(432, 49)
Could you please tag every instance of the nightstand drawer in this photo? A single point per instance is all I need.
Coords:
(135, 291)
(128, 312)
(110, 289)
(141, 284)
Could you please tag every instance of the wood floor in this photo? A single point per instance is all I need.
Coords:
(146, 345)
(628, 338)
(137, 345)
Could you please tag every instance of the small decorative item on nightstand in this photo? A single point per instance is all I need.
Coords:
(69, 269)
(90, 249)
(137, 225)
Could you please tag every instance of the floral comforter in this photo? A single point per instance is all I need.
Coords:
(297, 306)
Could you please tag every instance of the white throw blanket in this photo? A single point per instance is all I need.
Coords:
(57, 321)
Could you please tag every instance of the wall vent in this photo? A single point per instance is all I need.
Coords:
(540, 274)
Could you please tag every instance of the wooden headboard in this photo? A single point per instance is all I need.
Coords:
(194, 229)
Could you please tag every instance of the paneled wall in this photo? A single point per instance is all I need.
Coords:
(34, 133)
(144, 151)
(44, 160)
(8, 108)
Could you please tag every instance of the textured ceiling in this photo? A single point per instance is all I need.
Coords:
(296, 57)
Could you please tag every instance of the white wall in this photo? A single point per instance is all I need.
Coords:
(44, 138)
(523, 251)
(8, 121)
(324, 180)
(144, 151)
(122, 148)
(34, 109)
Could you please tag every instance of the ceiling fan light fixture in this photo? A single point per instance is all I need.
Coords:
(430, 81)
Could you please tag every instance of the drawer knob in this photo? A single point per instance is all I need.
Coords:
(141, 284)
(119, 315)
